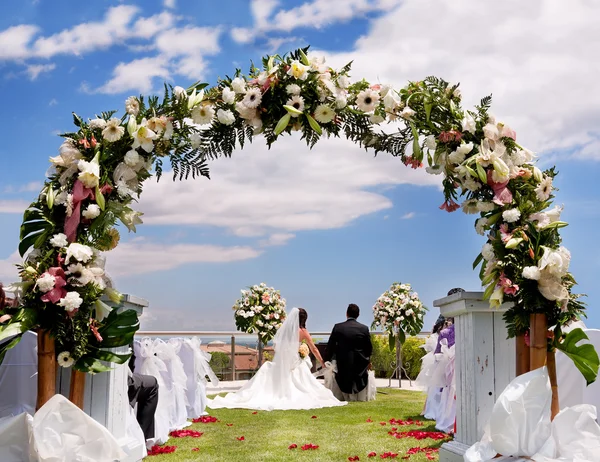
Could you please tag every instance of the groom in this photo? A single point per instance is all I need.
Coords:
(350, 345)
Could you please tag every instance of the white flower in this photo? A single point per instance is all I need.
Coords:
(531, 272)
(456, 93)
(68, 156)
(45, 282)
(143, 137)
(456, 157)
(239, 85)
(430, 142)
(79, 252)
(491, 132)
(487, 252)
(341, 100)
(298, 70)
(343, 81)
(91, 212)
(511, 215)
(133, 159)
(434, 170)
(195, 140)
(485, 206)
(98, 123)
(245, 112)
(367, 100)
(293, 89)
(407, 113)
(252, 98)
(59, 240)
(550, 286)
(71, 302)
(470, 206)
(195, 98)
(228, 95)
(480, 226)
(376, 119)
(465, 148)
(468, 123)
(132, 106)
(257, 124)
(297, 102)
(471, 184)
(64, 359)
(555, 262)
(179, 92)
(391, 100)
(130, 219)
(89, 173)
(225, 116)
(113, 130)
(203, 115)
(544, 189)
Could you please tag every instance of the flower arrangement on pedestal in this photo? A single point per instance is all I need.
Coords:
(260, 310)
(398, 311)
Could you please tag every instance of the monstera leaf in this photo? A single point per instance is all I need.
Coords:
(584, 356)
(22, 321)
(35, 230)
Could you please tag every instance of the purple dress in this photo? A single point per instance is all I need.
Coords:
(448, 334)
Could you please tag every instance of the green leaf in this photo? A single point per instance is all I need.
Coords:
(199, 85)
(77, 120)
(119, 328)
(584, 356)
(10, 330)
(314, 124)
(401, 336)
(109, 356)
(270, 63)
(488, 291)
(90, 365)
(100, 199)
(428, 105)
(417, 154)
(282, 124)
(304, 58)
(477, 261)
(481, 173)
(8, 345)
(391, 341)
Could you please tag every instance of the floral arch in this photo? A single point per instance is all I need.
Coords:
(101, 167)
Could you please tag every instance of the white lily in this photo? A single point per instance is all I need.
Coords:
(195, 98)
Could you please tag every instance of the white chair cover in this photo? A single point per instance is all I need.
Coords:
(148, 363)
(176, 383)
(18, 377)
(16, 443)
(446, 414)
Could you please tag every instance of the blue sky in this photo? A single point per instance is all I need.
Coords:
(329, 226)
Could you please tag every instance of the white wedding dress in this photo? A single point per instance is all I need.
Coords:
(284, 383)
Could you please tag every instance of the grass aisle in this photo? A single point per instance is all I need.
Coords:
(340, 433)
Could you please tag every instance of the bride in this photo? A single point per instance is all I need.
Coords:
(286, 382)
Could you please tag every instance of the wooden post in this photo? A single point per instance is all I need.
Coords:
(522, 352)
(538, 340)
(77, 387)
(46, 368)
(233, 357)
(555, 407)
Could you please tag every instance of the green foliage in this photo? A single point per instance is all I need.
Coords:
(584, 356)
(220, 363)
(411, 356)
(383, 358)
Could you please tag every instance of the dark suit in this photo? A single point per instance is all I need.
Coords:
(143, 390)
(350, 345)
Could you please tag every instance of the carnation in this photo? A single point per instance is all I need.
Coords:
(79, 252)
(113, 130)
(132, 106)
(293, 89)
(238, 85)
(511, 215)
(480, 225)
(132, 158)
(98, 124)
(45, 282)
(367, 100)
(225, 116)
(531, 272)
(487, 252)
(59, 240)
(71, 302)
(228, 95)
(91, 212)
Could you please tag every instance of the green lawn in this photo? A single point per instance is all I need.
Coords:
(340, 433)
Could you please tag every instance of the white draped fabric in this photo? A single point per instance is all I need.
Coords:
(175, 382)
(18, 377)
(284, 383)
(424, 379)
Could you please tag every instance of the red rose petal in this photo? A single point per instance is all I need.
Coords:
(229, 425)
(185, 433)
(369, 420)
(195, 449)
(205, 419)
(372, 454)
(309, 446)
(292, 446)
(353, 458)
(255, 412)
(156, 450)
(314, 417)
(382, 423)
(240, 438)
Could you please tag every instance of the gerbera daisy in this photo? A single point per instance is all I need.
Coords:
(203, 115)
(544, 189)
(297, 102)
(324, 114)
(252, 98)
(65, 360)
(113, 130)
(367, 100)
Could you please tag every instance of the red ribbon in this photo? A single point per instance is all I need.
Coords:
(80, 193)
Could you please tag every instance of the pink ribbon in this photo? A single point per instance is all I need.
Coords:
(58, 292)
(72, 223)
(502, 194)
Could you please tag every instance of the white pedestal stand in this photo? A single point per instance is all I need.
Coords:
(484, 366)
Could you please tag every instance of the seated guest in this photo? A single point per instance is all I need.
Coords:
(143, 391)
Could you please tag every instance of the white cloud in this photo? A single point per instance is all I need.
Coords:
(262, 10)
(242, 34)
(408, 216)
(149, 27)
(53, 102)
(13, 206)
(136, 75)
(534, 57)
(283, 190)
(589, 151)
(34, 70)
(170, 3)
(140, 256)
(8, 270)
(15, 41)
(276, 239)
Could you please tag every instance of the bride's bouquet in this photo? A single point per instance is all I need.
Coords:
(260, 310)
(303, 350)
(398, 311)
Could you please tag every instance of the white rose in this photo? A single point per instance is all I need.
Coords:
(59, 240)
(228, 95)
(531, 272)
(179, 92)
(551, 288)
(71, 301)
(79, 252)
(45, 283)
(480, 226)
(239, 85)
(226, 117)
(132, 158)
(91, 212)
